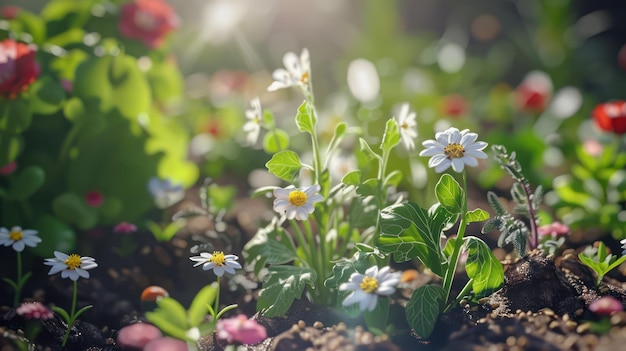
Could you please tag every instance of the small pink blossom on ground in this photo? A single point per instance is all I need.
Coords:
(606, 305)
(138, 335)
(8, 169)
(554, 229)
(166, 344)
(94, 198)
(125, 228)
(240, 329)
(34, 310)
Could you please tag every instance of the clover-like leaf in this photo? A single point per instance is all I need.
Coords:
(275, 140)
(285, 165)
(285, 284)
(482, 267)
(424, 307)
(305, 120)
(477, 215)
(408, 231)
(450, 194)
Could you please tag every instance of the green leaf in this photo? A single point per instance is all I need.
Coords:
(305, 120)
(368, 187)
(15, 115)
(391, 137)
(408, 231)
(285, 165)
(166, 325)
(173, 311)
(270, 245)
(198, 309)
(47, 96)
(344, 267)
(10, 282)
(393, 179)
(30, 179)
(82, 310)
(482, 267)
(62, 313)
(352, 178)
(450, 194)
(55, 235)
(275, 140)
(477, 215)
(495, 203)
(285, 284)
(74, 109)
(365, 147)
(73, 209)
(424, 307)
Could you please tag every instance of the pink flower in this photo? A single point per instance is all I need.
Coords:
(125, 227)
(8, 169)
(138, 335)
(553, 229)
(606, 305)
(240, 329)
(593, 147)
(10, 12)
(148, 21)
(18, 68)
(94, 198)
(67, 85)
(166, 344)
(34, 310)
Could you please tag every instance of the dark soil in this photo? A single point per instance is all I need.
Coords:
(543, 304)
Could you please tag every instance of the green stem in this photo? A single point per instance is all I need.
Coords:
(18, 286)
(217, 298)
(302, 242)
(466, 289)
(70, 323)
(458, 243)
(67, 143)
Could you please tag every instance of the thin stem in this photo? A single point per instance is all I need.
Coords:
(534, 236)
(18, 286)
(217, 299)
(70, 323)
(303, 242)
(458, 244)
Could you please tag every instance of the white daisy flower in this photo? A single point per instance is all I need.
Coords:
(297, 72)
(454, 147)
(18, 238)
(71, 266)
(296, 202)
(253, 126)
(366, 288)
(408, 127)
(217, 261)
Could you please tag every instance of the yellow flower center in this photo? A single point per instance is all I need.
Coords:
(369, 284)
(454, 150)
(73, 262)
(16, 235)
(404, 125)
(297, 198)
(218, 258)
(305, 78)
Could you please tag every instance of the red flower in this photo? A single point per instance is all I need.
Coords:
(9, 168)
(9, 12)
(611, 116)
(148, 21)
(18, 68)
(534, 93)
(94, 198)
(454, 105)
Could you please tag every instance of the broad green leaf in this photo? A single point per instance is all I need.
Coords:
(198, 309)
(368, 188)
(305, 120)
(285, 284)
(47, 96)
(73, 209)
(275, 141)
(363, 213)
(424, 307)
(29, 180)
(482, 267)
(394, 178)
(352, 178)
(450, 194)
(55, 235)
(344, 267)
(10, 145)
(268, 119)
(365, 147)
(408, 231)
(270, 245)
(173, 311)
(285, 165)
(391, 137)
(477, 215)
(74, 109)
(15, 115)
(166, 325)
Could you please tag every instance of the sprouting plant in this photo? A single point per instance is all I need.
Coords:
(71, 266)
(189, 325)
(600, 260)
(408, 231)
(318, 223)
(18, 239)
(513, 230)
